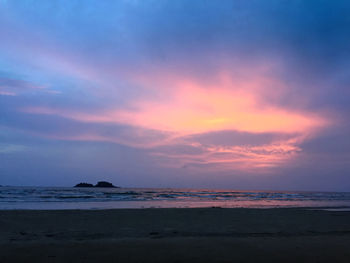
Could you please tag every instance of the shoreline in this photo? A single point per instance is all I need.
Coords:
(310, 208)
(175, 235)
(110, 205)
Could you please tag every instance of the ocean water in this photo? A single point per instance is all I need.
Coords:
(110, 198)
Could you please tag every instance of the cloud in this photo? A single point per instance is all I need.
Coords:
(185, 111)
(11, 148)
(7, 93)
(188, 106)
(17, 86)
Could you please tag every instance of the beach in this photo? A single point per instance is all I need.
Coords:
(175, 235)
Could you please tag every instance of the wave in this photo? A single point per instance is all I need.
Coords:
(42, 194)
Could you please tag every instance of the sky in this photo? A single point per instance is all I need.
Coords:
(236, 94)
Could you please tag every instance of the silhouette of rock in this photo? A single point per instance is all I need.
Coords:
(84, 185)
(104, 184)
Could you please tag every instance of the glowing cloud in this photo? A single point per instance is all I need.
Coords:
(181, 107)
(190, 107)
(194, 110)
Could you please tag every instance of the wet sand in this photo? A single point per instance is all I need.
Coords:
(175, 235)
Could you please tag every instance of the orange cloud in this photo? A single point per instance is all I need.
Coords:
(183, 106)
(190, 108)
(195, 110)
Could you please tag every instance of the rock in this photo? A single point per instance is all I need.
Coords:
(104, 184)
(99, 184)
(84, 185)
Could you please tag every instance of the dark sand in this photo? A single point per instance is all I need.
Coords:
(175, 235)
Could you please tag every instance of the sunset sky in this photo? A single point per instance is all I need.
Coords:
(241, 94)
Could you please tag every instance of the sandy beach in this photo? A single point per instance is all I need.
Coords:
(175, 235)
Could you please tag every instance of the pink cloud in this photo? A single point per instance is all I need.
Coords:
(190, 107)
(7, 93)
(180, 105)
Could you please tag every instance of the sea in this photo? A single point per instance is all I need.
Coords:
(58, 198)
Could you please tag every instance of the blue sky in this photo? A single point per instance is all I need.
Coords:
(224, 94)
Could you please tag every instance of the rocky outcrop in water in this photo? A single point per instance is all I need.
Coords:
(84, 185)
(104, 184)
(99, 184)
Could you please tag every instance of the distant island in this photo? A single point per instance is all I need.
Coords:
(99, 184)
(84, 185)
